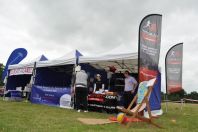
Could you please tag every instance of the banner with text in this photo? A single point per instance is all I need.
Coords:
(173, 62)
(54, 96)
(149, 46)
(21, 71)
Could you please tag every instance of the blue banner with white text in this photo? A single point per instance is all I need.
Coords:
(53, 96)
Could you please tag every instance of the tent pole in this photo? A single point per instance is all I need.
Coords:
(166, 102)
(73, 85)
(166, 83)
(34, 73)
(5, 85)
(32, 81)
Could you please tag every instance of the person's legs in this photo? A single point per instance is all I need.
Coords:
(125, 100)
(78, 98)
(84, 98)
(134, 104)
(128, 99)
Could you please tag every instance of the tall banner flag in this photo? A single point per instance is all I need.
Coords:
(16, 56)
(149, 46)
(77, 55)
(173, 64)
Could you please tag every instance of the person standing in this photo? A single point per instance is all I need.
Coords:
(111, 78)
(129, 89)
(98, 85)
(81, 90)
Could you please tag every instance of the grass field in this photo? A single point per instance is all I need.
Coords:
(21, 116)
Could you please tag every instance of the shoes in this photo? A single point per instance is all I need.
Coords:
(84, 111)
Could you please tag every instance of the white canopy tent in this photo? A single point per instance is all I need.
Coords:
(116, 57)
(128, 61)
(29, 64)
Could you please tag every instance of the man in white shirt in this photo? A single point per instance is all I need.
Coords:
(129, 88)
(81, 90)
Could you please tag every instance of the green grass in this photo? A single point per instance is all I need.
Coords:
(21, 116)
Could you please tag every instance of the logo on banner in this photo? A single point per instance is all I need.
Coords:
(65, 101)
(149, 32)
(175, 58)
(175, 54)
(37, 97)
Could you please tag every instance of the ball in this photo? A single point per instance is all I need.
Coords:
(121, 118)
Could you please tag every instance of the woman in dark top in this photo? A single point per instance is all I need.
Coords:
(98, 83)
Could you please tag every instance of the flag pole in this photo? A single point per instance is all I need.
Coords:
(166, 95)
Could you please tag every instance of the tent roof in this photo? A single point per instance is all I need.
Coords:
(28, 64)
(121, 49)
(127, 61)
(56, 62)
(66, 59)
(115, 58)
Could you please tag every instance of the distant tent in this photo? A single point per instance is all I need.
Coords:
(20, 74)
(26, 63)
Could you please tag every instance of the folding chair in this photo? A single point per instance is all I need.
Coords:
(142, 97)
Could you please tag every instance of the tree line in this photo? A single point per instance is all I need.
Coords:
(180, 95)
(1, 71)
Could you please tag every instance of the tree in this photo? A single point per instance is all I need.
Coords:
(178, 95)
(1, 71)
(163, 96)
(193, 95)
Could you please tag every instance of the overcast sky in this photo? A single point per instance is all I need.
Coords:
(54, 27)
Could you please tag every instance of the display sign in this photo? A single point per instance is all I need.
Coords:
(16, 56)
(21, 71)
(174, 59)
(102, 102)
(54, 96)
(149, 46)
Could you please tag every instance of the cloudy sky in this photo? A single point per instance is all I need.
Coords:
(53, 28)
